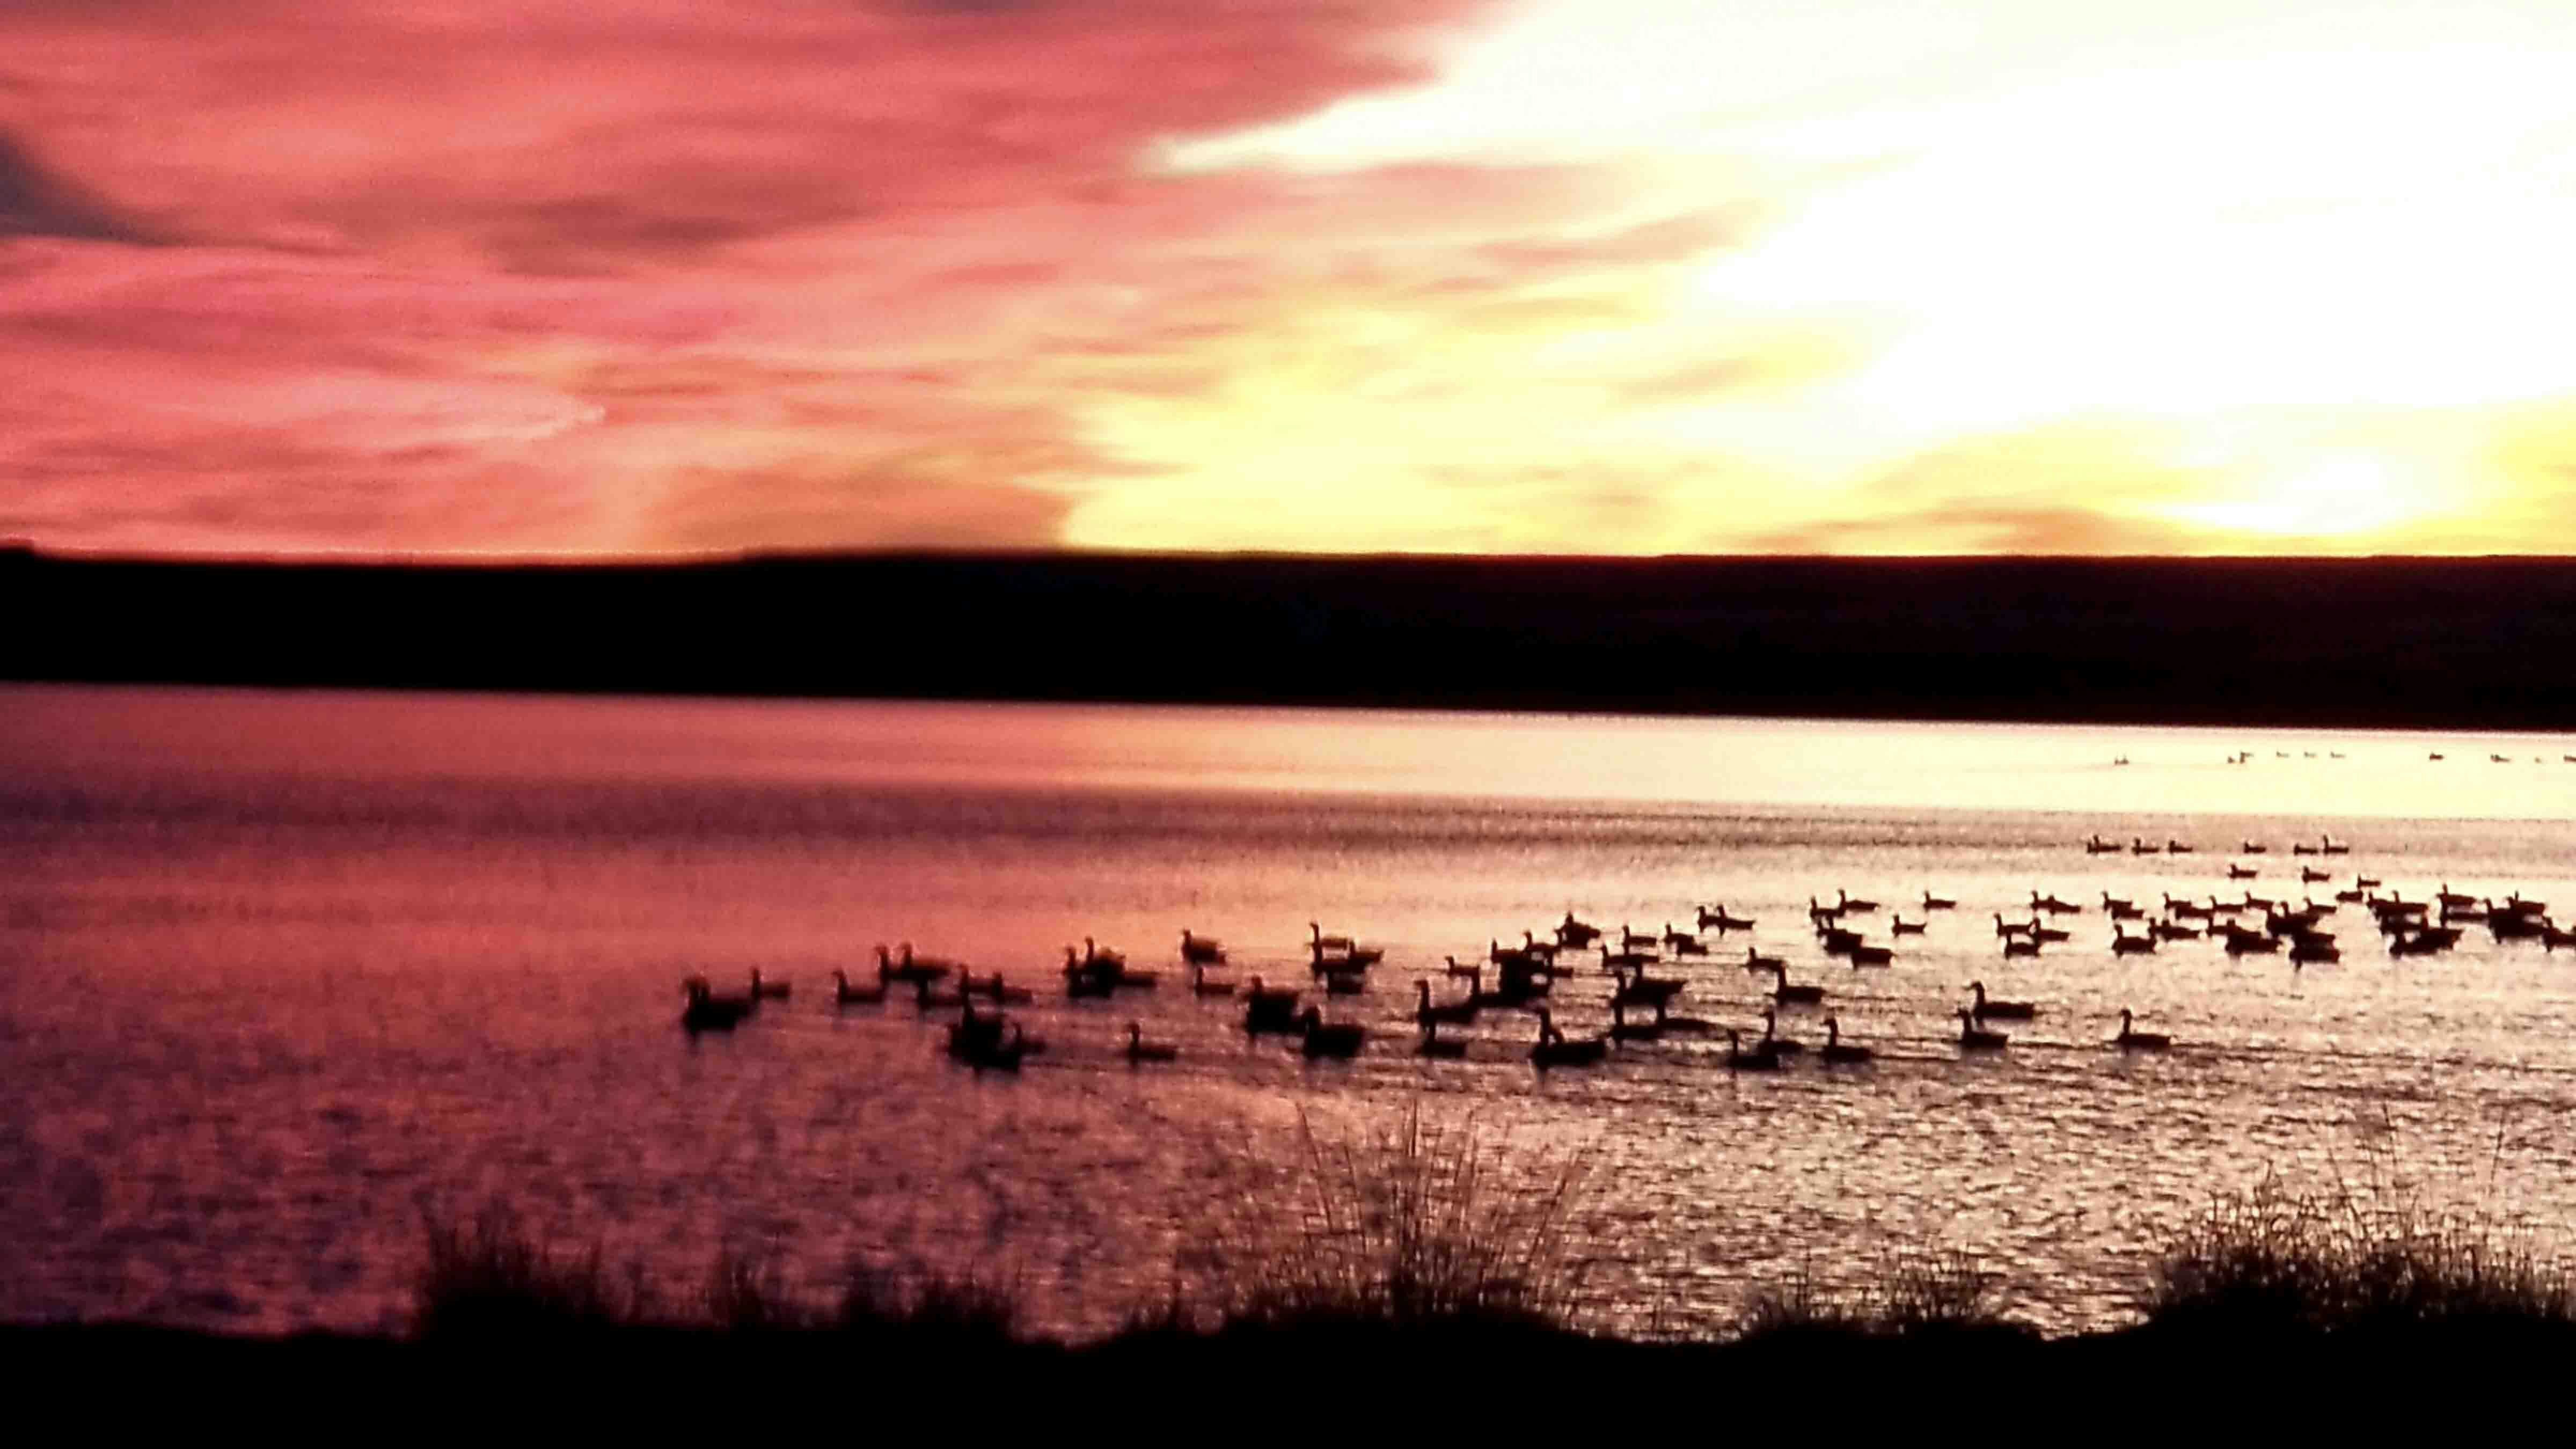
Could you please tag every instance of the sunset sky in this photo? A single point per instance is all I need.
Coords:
(1616, 276)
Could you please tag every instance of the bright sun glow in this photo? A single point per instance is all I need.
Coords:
(2353, 493)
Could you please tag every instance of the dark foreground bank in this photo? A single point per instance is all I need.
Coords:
(2369, 642)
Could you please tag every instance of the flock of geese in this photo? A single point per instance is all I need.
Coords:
(1536, 977)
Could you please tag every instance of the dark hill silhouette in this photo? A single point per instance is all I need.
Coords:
(2245, 641)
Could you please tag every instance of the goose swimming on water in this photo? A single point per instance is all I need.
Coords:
(1837, 1050)
(707, 1011)
(1973, 1037)
(1141, 1050)
(2002, 1010)
(2138, 1041)
(844, 994)
(1555, 1049)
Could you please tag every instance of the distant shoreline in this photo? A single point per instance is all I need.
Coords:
(2363, 643)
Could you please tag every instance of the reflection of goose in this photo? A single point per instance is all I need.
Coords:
(2002, 1010)
(1973, 1037)
(1836, 1049)
(2020, 946)
(1141, 1050)
(707, 1011)
(1864, 954)
(2138, 1041)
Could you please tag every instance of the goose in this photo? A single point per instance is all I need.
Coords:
(1820, 913)
(1756, 1060)
(1200, 951)
(1460, 968)
(1853, 904)
(1614, 962)
(2308, 949)
(2310, 875)
(2177, 847)
(2120, 909)
(908, 970)
(2000, 1010)
(1578, 934)
(2096, 845)
(1321, 942)
(1001, 1056)
(707, 1011)
(1432, 1044)
(1932, 902)
(2328, 845)
(1801, 995)
(1200, 985)
(1080, 984)
(1837, 941)
(1140, 1050)
(1755, 961)
(1670, 1022)
(1631, 940)
(1271, 1009)
(2172, 931)
(1899, 926)
(1679, 941)
(2138, 1041)
(2124, 944)
(2252, 847)
(1455, 1012)
(1715, 918)
(2139, 846)
(2240, 941)
(1554, 1049)
(1645, 990)
(970, 1033)
(1339, 1040)
(2009, 929)
(2454, 899)
(1540, 953)
(1836, 1050)
(1689, 946)
(844, 994)
(2185, 910)
(2241, 872)
(2043, 934)
(1973, 1037)
(992, 988)
(1865, 954)
(2020, 946)
(1772, 1041)
(2297, 849)
(925, 999)
(768, 990)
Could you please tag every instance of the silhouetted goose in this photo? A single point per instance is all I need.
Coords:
(1932, 902)
(1716, 918)
(1864, 954)
(2298, 849)
(2454, 899)
(1337, 1039)
(1772, 1041)
(909, 970)
(1272, 1009)
(971, 1033)
(2010, 929)
(844, 994)
(1615, 962)
(2172, 931)
(2251, 847)
(1574, 933)
(1676, 940)
(1755, 961)
(2096, 845)
(1321, 942)
(2241, 872)
(1689, 946)
(1141, 1050)
(2042, 933)
(1433, 1045)
(2120, 909)
(1455, 1012)
(2177, 847)
(2240, 941)
(1899, 926)
(707, 1011)
(1631, 940)
(1851, 905)
(2000, 1010)
(1756, 1060)
(1837, 941)
(1836, 1050)
(1200, 951)
(2307, 949)
(1458, 968)
(2124, 944)
(1644, 990)
(2328, 845)
(1822, 913)
(2138, 1041)
(993, 988)
(1973, 1037)
(768, 990)
(2310, 875)
(1200, 985)
(999, 1055)
(1541, 953)
(1554, 1049)
(2020, 946)
(1807, 994)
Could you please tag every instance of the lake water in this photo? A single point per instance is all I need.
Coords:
(284, 974)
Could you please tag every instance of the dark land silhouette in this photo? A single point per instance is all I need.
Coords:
(2379, 642)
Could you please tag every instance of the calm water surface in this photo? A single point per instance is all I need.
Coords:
(282, 974)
